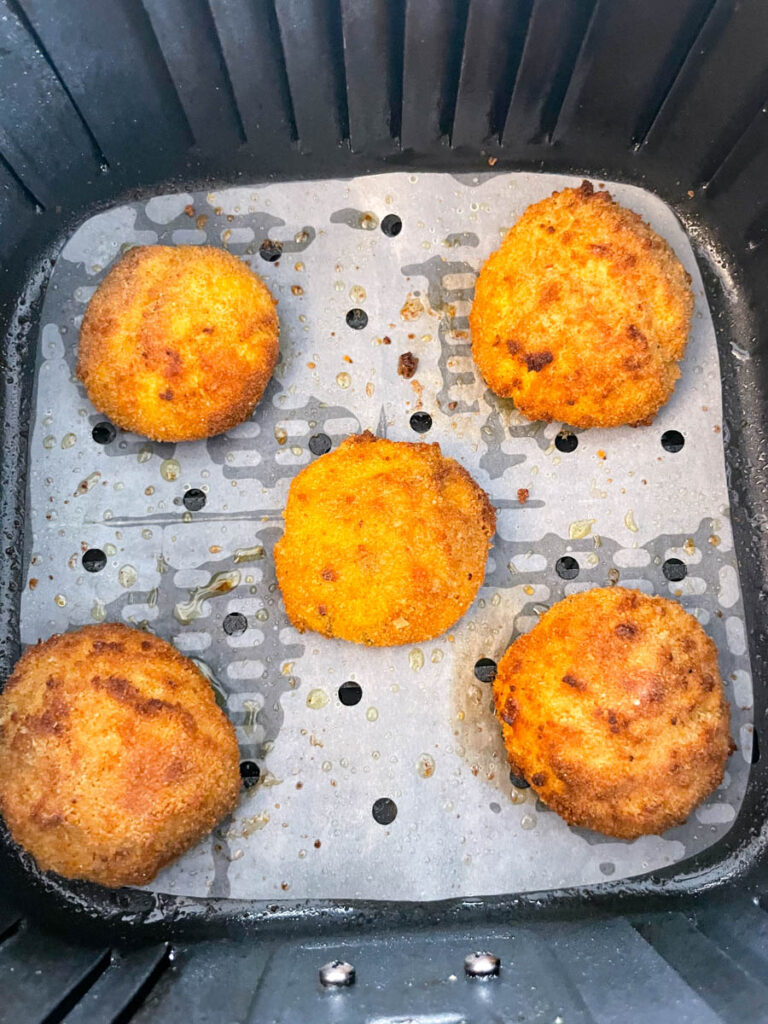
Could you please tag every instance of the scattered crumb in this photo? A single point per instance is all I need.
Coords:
(690, 193)
(189, 210)
(492, 161)
(407, 364)
(311, 366)
(347, 359)
(600, 453)
(522, 495)
(413, 308)
(296, 289)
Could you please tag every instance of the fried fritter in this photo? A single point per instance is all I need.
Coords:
(385, 542)
(613, 709)
(178, 343)
(583, 313)
(114, 756)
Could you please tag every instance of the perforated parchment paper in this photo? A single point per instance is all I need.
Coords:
(423, 734)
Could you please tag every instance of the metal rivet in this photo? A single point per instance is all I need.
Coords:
(337, 974)
(481, 965)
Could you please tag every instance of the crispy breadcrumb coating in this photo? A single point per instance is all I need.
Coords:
(583, 313)
(613, 709)
(385, 542)
(114, 756)
(178, 343)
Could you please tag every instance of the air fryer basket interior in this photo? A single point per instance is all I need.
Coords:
(104, 103)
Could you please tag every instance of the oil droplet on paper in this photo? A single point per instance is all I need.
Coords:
(170, 469)
(99, 611)
(343, 380)
(68, 440)
(416, 659)
(249, 554)
(629, 521)
(60, 600)
(426, 766)
(220, 583)
(437, 656)
(580, 529)
(372, 714)
(127, 576)
(317, 699)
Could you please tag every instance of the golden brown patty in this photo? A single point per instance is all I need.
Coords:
(114, 757)
(583, 313)
(613, 710)
(385, 543)
(178, 343)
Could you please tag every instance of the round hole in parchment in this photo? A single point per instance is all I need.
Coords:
(350, 693)
(94, 560)
(672, 441)
(567, 568)
(194, 499)
(235, 623)
(755, 747)
(421, 422)
(674, 570)
(485, 670)
(566, 442)
(319, 444)
(518, 781)
(270, 251)
(249, 773)
(384, 810)
(104, 432)
(391, 225)
(357, 319)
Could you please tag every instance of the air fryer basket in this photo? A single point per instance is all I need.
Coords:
(110, 101)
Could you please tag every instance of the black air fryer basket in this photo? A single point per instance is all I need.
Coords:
(110, 101)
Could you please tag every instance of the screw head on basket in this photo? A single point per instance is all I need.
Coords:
(337, 974)
(481, 965)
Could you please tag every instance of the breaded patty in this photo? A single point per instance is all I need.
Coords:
(178, 343)
(583, 313)
(114, 756)
(613, 709)
(385, 542)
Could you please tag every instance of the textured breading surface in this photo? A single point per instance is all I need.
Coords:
(583, 313)
(613, 709)
(385, 542)
(114, 756)
(178, 343)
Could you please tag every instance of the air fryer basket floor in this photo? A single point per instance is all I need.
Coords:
(623, 507)
(669, 97)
